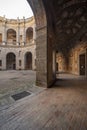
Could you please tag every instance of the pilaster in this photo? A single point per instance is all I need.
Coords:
(4, 38)
(18, 31)
(24, 33)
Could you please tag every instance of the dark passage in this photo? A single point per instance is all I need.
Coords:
(20, 95)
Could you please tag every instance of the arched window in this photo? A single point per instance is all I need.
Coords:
(29, 34)
(11, 36)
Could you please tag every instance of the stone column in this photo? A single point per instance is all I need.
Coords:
(24, 33)
(33, 60)
(44, 70)
(41, 57)
(44, 59)
(4, 38)
(18, 31)
(50, 60)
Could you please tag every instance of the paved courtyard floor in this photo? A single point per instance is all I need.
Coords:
(62, 107)
(13, 82)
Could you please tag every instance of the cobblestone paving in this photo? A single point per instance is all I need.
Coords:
(62, 107)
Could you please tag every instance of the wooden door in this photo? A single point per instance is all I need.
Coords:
(82, 64)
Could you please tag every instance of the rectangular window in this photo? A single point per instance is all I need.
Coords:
(0, 62)
(19, 62)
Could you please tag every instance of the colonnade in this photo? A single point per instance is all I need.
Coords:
(20, 27)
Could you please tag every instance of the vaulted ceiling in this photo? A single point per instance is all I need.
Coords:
(67, 19)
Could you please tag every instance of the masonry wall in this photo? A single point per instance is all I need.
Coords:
(20, 47)
(74, 54)
(71, 64)
(20, 55)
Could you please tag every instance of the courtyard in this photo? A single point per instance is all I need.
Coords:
(61, 107)
(13, 82)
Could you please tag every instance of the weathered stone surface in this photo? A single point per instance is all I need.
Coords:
(16, 39)
(73, 64)
(63, 107)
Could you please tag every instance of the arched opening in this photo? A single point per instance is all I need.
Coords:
(28, 61)
(45, 38)
(29, 35)
(11, 36)
(69, 99)
(11, 61)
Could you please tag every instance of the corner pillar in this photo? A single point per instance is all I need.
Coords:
(44, 59)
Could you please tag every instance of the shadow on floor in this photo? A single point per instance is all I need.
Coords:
(68, 80)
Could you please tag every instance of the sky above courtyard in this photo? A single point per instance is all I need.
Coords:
(15, 8)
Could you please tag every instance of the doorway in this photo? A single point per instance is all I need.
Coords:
(28, 61)
(10, 61)
(82, 63)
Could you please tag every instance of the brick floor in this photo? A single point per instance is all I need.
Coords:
(62, 107)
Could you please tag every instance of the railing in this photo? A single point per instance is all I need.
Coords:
(16, 44)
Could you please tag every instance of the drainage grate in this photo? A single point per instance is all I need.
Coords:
(20, 95)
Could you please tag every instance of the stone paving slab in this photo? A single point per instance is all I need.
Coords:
(13, 82)
(62, 107)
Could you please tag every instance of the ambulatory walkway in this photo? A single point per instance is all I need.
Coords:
(62, 107)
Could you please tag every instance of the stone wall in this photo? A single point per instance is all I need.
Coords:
(21, 47)
(20, 26)
(74, 54)
(71, 64)
(20, 55)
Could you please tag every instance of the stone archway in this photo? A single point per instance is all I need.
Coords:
(28, 61)
(10, 61)
(44, 58)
